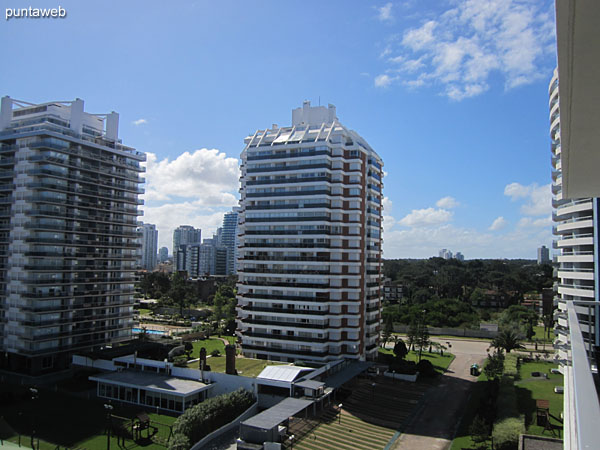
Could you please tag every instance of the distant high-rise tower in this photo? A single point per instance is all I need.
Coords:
(445, 253)
(183, 235)
(310, 268)
(229, 239)
(163, 254)
(543, 255)
(459, 256)
(149, 245)
(69, 240)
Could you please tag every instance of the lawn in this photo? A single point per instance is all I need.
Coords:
(144, 312)
(530, 389)
(209, 344)
(540, 335)
(245, 366)
(64, 420)
(440, 363)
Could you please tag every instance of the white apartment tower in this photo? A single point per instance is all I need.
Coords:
(69, 240)
(149, 246)
(576, 239)
(309, 265)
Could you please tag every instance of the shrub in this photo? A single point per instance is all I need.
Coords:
(215, 353)
(206, 417)
(403, 366)
(179, 442)
(506, 433)
(511, 365)
(425, 368)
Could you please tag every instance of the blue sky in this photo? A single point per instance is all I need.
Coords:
(452, 94)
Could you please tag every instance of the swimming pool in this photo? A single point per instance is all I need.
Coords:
(139, 330)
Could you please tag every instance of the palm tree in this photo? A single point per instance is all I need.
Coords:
(508, 340)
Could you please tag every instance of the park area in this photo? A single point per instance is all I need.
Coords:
(62, 420)
(533, 382)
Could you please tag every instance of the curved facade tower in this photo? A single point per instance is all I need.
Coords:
(576, 240)
(309, 267)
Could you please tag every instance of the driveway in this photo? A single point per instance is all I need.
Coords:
(433, 427)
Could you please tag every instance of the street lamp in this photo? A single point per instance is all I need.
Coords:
(373, 391)
(109, 409)
(421, 333)
(292, 437)
(34, 396)
(340, 414)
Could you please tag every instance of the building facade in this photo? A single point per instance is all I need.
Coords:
(309, 267)
(183, 235)
(229, 239)
(163, 254)
(543, 255)
(149, 258)
(68, 214)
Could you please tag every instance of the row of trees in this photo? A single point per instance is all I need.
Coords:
(422, 279)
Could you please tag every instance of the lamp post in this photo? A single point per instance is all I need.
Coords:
(34, 396)
(292, 437)
(340, 414)
(109, 409)
(421, 333)
(373, 391)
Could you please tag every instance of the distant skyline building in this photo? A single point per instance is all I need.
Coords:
(229, 239)
(543, 255)
(445, 253)
(183, 235)
(459, 256)
(310, 269)
(163, 254)
(149, 246)
(69, 241)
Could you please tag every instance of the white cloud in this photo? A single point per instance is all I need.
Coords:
(383, 81)
(426, 217)
(207, 175)
(473, 39)
(447, 203)
(538, 198)
(498, 224)
(195, 188)
(384, 13)
(139, 122)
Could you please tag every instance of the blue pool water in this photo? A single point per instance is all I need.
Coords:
(139, 330)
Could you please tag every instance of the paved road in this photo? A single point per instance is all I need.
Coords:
(434, 425)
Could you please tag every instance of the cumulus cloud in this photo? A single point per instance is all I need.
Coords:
(426, 217)
(383, 81)
(195, 188)
(498, 224)
(538, 199)
(207, 175)
(447, 203)
(473, 39)
(384, 13)
(139, 122)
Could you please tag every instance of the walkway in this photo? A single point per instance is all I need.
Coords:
(433, 427)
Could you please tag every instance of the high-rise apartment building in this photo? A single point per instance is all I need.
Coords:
(68, 215)
(543, 255)
(183, 235)
(229, 239)
(149, 246)
(310, 269)
(163, 254)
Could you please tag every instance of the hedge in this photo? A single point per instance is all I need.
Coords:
(506, 433)
(511, 366)
(509, 423)
(204, 418)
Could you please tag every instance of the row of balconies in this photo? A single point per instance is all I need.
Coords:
(79, 215)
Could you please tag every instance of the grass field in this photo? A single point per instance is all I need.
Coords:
(530, 389)
(209, 344)
(245, 366)
(541, 336)
(440, 363)
(62, 420)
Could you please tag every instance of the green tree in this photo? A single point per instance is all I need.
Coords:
(387, 330)
(180, 292)
(494, 366)
(479, 431)
(507, 339)
(400, 349)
